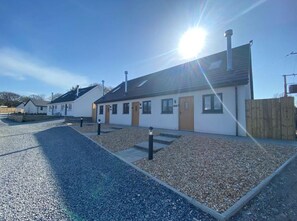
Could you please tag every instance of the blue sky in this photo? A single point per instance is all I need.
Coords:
(49, 46)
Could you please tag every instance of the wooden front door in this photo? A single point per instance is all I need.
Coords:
(135, 113)
(186, 113)
(107, 114)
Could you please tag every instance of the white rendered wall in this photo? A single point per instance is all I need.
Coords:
(218, 123)
(43, 111)
(82, 107)
(59, 111)
(30, 108)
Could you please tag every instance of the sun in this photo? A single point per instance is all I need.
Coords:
(192, 42)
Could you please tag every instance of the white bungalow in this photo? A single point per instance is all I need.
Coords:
(33, 106)
(205, 95)
(75, 103)
(20, 107)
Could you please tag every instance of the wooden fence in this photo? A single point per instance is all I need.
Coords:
(7, 110)
(271, 118)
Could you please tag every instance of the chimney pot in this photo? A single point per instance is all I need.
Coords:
(77, 90)
(102, 87)
(228, 35)
(126, 82)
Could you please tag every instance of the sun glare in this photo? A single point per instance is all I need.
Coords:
(192, 42)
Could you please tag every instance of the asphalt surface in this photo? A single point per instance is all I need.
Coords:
(54, 173)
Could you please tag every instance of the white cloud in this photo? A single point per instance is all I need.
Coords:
(19, 65)
(16, 76)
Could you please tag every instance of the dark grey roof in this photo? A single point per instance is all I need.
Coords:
(38, 103)
(71, 95)
(187, 77)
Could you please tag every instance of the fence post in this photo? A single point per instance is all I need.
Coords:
(81, 121)
(151, 146)
(99, 127)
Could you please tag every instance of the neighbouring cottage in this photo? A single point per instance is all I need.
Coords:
(20, 107)
(187, 96)
(33, 106)
(75, 103)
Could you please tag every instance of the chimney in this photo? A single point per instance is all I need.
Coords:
(228, 35)
(102, 87)
(77, 90)
(126, 82)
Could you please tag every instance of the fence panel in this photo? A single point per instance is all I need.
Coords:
(271, 118)
(7, 110)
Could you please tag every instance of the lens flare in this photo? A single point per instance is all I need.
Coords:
(192, 42)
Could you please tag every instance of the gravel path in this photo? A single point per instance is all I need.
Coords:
(54, 173)
(123, 139)
(119, 139)
(215, 171)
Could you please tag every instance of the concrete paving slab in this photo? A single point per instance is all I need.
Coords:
(132, 154)
(116, 128)
(145, 145)
(164, 140)
(171, 134)
(107, 130)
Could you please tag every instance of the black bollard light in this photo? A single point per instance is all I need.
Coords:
(151, 143)
(81, 121)
(99, 127)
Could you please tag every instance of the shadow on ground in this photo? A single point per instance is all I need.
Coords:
(95, 185)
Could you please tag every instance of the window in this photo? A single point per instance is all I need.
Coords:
(146, 107)
(211, 103)
(62, 107)
(101, 109)
(41, 108)
(167, 106)
(126, 108)
(116, 89)
(142, 83)
(114, 109)
(69, 106)
(215, 65)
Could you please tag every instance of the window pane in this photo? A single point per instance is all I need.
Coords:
(149, 107)
(146, 107)
(114, 109)
(164, 105)
(207, 102)
(216, 102)
(126, 108)
(167, 106)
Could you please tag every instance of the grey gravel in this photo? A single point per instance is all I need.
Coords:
(215, 171)
(54, 173)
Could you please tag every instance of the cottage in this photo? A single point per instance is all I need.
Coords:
(205, 95)
(20, 107)
(33, 106)
(75, 103)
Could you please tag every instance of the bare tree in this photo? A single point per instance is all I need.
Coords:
(39, 97)
(9, 99)
(55, 96)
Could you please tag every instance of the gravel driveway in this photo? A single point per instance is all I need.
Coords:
(54, 173)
